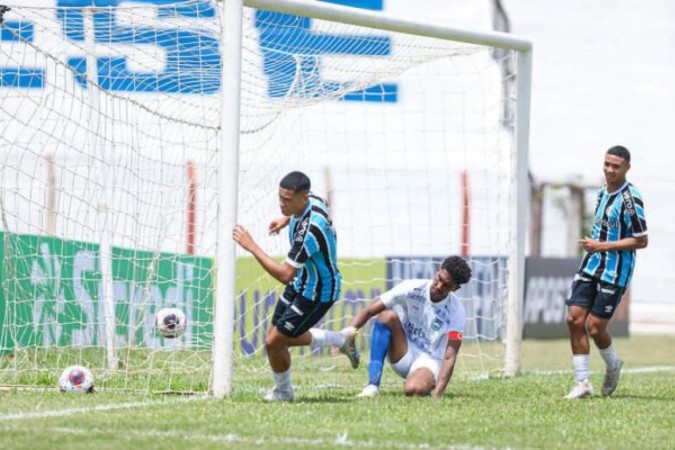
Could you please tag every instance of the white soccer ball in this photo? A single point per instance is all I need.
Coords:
(77, 379)
(170, 322)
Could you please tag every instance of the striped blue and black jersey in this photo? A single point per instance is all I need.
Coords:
(618, 215)
(313, 253)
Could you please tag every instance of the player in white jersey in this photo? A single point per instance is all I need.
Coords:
(419, 329)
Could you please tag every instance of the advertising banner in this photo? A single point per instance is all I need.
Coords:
(547, 285)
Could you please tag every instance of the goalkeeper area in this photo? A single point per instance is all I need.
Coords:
(136, 134)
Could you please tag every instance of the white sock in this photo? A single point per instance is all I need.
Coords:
(282, 380)
(581, 367)
(323, 338)
(609, 355)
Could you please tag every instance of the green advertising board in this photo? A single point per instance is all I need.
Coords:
(51, 296)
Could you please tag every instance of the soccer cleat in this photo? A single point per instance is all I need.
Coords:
(581, 389)
(278, 395)
(612, 378)
(369, 391)
(349, 349)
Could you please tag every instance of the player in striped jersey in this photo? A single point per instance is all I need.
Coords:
(606, 268)
(419, 329)
(313, 281)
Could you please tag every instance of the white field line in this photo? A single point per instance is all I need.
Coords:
(340, 440)
(101, 408)
(631, 370)
(94, 409)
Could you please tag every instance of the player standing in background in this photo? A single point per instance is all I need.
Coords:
(619, 229)
(312, 278)
(419, 328)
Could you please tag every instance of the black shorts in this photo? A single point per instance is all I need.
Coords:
(295, 314)
(600, 297)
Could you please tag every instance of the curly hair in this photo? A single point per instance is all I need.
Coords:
(458, 269)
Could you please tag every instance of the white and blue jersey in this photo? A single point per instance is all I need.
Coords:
(618, 215)
(428, 325)
(313, 253)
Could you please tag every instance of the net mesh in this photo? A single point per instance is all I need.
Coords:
(109, 176)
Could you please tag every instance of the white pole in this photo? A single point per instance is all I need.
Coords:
(228, 177)
(519, 211)
(104, 174)
(373, 19)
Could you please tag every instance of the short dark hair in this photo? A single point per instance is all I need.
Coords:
(620, 151)
(458, 269)
(296, 182)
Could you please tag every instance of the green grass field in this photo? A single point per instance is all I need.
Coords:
(527, 411)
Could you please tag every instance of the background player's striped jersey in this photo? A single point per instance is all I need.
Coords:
(618, 215)
(313, 253)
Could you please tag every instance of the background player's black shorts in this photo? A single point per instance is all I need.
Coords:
(295, 314)
(600, 297)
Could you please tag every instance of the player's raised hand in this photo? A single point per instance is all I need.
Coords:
(242, 237)
(278, 224)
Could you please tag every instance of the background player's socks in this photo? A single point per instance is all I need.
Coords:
(609, 356)
(323, 338)
(379, 345)
(581, 367)
(282, 380)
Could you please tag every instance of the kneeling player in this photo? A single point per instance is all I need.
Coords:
(418, 329)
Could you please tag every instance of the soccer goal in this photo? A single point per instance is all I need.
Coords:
(136, 134)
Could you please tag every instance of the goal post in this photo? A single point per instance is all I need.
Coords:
(519, 163)
(102, 108)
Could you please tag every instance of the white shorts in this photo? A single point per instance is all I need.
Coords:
(415, 359)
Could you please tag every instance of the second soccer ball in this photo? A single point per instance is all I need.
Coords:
(170, 322)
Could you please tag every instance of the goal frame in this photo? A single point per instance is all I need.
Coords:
(225, 295)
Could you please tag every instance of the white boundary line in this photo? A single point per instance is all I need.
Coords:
(647, 369)
(340, 440)
(133, 405)
(93, 409)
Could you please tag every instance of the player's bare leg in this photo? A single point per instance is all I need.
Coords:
(576, 323)
(276, 346)
(398, 345)
(419, 383)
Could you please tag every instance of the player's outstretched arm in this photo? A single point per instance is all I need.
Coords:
(447, 368)
(283, 273)
(363, 316)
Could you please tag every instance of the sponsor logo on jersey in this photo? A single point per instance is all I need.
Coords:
(300, 235)
(608, 223)
(436, 324)
(628, 202)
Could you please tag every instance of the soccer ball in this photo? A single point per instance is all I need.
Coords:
(77, 379)
(170, 322)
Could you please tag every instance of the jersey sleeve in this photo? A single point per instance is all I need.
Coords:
(634, 212)
(398, 294)
(457, 320)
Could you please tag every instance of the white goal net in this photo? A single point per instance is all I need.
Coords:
(109, 185)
